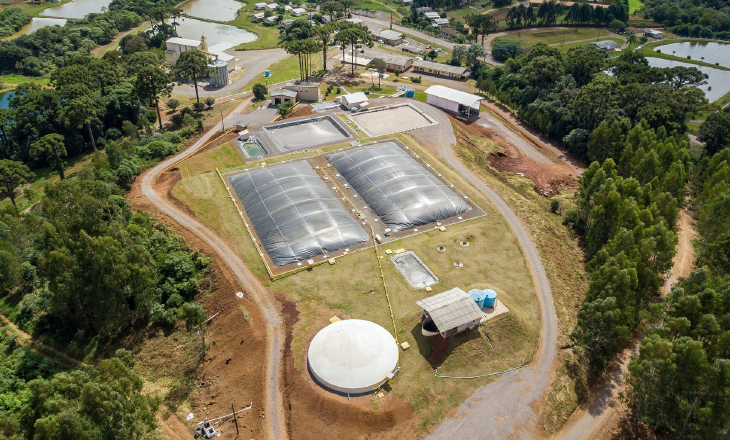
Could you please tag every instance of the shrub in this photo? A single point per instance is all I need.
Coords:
(177, 119)
(209, 102)
(554, 204)
(198, 107)
(259, 91)
(416, 80)
(172, 104)
(505, 48)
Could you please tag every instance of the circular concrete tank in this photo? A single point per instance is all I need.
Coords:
(352, 356)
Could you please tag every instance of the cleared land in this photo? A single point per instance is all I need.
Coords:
(493, 260)
(530, 38)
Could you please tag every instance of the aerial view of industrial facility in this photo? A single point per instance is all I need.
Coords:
(364, 219)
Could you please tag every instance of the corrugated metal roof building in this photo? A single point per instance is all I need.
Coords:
(452, 311)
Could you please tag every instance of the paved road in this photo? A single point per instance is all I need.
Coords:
(375, 24)
(254, 61)
(275, 415)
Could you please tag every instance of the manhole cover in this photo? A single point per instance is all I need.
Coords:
(441, 248)
(465, 243)
(458, 264)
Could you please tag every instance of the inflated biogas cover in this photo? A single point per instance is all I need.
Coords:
(295, 215)
(396, 187)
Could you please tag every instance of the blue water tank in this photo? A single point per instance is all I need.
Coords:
(478, 296)
(491, 297)
(410, 93)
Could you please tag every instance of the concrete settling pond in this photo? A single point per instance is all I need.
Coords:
(712, 52)
(218, 10)
(76, 8)
(394, 119)
(718, 82)
(192, 29)
(414, 270)
(307, 133)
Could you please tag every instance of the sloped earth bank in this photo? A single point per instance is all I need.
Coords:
(234, 364)
(549, 178)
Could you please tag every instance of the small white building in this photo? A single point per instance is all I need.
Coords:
(271, 20)
(653, 33)
(449, 313)
(271, 7)
(286, 22)
(455, 101)
(298, 12)
(406, 2)
(431, 15)
(258, 17)
(354, 20)
(259, 6)
(356, 100)
(392, 38)
(441, 22)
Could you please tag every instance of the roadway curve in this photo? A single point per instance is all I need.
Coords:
(275, 421)
(508, 408)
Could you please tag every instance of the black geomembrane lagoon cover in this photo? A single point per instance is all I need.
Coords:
(396, 187)
(295, 215)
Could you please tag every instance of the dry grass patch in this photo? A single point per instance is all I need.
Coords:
(222, 156)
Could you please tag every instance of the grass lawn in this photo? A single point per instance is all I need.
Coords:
(563, 48)
(635, 5)
(554, 36)
(268, 36)
(374, 91)
(461, 13)
(16, 79)
(649, 50)
(493, 259)
(222, 156)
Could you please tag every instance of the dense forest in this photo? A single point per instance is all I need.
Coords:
(626, 209)
(690, 18)
(12, 19)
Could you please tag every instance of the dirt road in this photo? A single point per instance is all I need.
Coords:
(274, 411)
(509, 407)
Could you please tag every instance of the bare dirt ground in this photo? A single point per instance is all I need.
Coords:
(549, 178)
(233, 369)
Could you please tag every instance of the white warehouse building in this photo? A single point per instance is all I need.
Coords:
(455, 101)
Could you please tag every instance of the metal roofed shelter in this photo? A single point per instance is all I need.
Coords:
(607, 45)
(353, 100)
(452, 312)
(431, 15)
(353, 356)
(295, 215)
(396, 187)
(446, 70)
(456, 101)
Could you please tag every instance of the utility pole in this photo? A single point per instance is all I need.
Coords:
(223, 127)
(391, 20)
(235, 418)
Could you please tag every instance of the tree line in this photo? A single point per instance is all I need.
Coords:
(691, 19)
(12, 19)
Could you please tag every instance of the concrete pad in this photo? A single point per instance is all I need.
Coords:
(495, 311)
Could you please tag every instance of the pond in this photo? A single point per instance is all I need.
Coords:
(214, 32)
(37, 23)
(5, 98)
(218, 10)
(76, 8)
(711, 51)
(718, 83)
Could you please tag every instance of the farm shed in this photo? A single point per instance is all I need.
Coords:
(455, 101)
(449, 313)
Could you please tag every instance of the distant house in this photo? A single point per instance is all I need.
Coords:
(424, 9)
(259, 6)
(441, 22)
(258, 17)
(298, 12)
(288, 9)
(607, 45)
(653, 33)
(271, 20)
(354, 20)
(406, 2)
(431, 15)
(392, 38)
(271, 7)
(431, 68)
(393, 61)
(448, 33)
(286, 22)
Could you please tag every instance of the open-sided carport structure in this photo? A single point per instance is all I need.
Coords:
(396, 187)
(295, 215)
(455, 101)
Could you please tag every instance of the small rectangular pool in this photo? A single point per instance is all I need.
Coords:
(414, 270)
